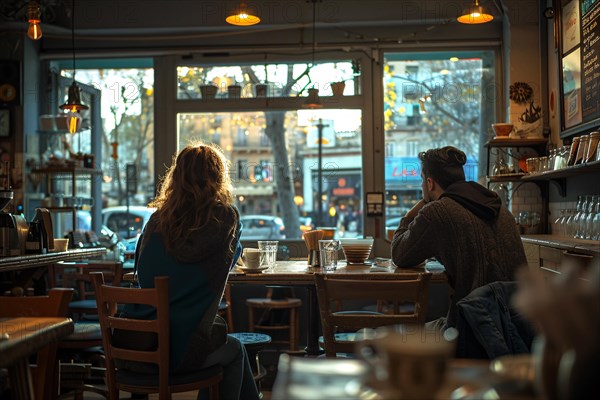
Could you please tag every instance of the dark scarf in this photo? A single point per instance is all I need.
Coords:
(482, 202)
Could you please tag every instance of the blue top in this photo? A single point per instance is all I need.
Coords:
(197, 272)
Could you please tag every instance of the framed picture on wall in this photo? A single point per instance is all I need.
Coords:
(579, 65)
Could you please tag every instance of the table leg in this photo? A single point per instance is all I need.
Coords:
(312, 334)
(21, 386)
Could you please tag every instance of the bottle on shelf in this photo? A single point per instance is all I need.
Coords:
(573, 153)
(582, 150)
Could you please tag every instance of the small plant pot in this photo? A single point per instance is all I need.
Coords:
(234, 91)
(337, 88)
(260, 90)
(208, 91)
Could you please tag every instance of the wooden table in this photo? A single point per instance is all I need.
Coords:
(342, 378)
(298, 273)
(21, 337)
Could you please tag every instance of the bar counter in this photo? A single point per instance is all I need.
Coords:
(40, 260)
(591, 247)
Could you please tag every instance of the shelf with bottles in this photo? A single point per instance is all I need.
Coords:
(517, 149)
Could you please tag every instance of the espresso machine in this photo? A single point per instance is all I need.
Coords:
(13, 228)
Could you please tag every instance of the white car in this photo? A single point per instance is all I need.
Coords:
(262, 227)
(126, 226)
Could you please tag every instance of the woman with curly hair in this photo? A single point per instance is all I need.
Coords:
(193, 238)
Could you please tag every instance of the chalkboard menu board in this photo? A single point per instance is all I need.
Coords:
(579, 47)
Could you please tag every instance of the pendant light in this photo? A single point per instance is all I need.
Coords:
(475, 14)
(73, 104)
(313, 101)
(34, 18)
(242, 16)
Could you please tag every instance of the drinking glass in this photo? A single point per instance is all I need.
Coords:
(328, 250)
(268, 253)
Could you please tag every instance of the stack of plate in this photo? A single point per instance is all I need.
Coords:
(357, 251)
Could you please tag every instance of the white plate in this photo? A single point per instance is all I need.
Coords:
(246, 269)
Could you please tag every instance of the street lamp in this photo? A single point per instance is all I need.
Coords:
(320, 127)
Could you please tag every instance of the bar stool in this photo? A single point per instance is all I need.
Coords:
(254, 343)
(268, 305)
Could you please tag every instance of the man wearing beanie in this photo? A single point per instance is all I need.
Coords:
(463, 225)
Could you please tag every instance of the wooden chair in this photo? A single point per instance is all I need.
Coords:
(161, 382)
(77, 276)
(398, 290)
(55, 304)
(81, 355)
(269, 305)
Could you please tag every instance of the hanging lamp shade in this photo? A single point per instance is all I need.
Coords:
(312, 100)
(34, 31)
(242, 16)
(475, 14)
(74, 99)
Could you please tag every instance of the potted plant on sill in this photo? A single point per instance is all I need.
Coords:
(529, 123)
(208, 91)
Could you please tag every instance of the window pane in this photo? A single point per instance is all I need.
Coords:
(431, 101)
(127, 112)
(275, 76)
(274, 159)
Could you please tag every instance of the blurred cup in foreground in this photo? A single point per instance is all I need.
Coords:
(411, 360)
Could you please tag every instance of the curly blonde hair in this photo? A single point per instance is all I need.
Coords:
(195, 184)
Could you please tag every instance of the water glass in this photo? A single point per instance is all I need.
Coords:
(328, 251)
(268, 253)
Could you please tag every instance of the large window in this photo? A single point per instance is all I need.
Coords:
(127, 112)
(299, 168)
(432, 100)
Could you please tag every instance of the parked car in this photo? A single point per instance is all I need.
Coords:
(262, 227)
(126, 226)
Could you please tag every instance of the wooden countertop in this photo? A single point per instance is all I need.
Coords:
(38, 260)
(591, 247)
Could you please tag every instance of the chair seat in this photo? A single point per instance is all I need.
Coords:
(132, 378)
(252, 339)
(85, 331)
(84, 304)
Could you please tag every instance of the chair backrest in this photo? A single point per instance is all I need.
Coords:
(397, 289)
(107, 298)
(55, 304)
(77, 275)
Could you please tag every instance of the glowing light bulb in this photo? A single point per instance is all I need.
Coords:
(73, 119)
(35, 30)
(34, 18)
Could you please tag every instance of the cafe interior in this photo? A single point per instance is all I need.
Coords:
(321, 108)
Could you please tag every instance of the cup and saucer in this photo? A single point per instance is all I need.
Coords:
(251, 261)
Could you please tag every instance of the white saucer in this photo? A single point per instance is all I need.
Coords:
(246, 269)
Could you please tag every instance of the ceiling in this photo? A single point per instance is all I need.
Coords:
(135, 23)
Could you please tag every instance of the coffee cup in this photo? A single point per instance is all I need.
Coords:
(410, 361)
(251, 258)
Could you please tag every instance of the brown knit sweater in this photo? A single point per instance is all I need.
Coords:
(474, 251)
